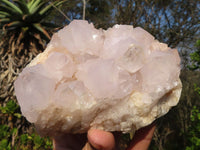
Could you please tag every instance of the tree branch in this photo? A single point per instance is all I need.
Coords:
(60, 11)
(84, 7)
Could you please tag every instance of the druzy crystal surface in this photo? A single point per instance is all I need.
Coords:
(119, 79)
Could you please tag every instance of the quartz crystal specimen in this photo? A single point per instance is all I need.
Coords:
(120, 79)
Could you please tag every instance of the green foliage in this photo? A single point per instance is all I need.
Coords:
(194, 130)
(10, 109)
(4, 145)
(195, 57)
(23, 141)
(4, 131)
(196, 88)
(12, 137)
(38, 142)
(5, 135)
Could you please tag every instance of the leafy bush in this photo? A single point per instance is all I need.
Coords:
(194, 130)
(13, 136)
(195, 57)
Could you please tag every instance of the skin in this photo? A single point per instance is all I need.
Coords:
(102, 140)
(142, 138)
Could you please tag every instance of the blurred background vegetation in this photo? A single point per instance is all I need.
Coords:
(27, 25)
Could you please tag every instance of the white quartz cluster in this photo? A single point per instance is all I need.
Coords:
(119, 79)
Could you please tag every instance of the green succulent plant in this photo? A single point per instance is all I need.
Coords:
(23, 21)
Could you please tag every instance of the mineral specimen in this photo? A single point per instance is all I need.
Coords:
(119, 79)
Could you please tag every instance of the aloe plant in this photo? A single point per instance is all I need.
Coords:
(24, 21)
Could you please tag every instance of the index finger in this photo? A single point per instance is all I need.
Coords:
(142, 138)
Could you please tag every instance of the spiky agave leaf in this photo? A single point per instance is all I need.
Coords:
(12, 6)
(42, 30)
(34, 4)
(12, 12)
(22, 4)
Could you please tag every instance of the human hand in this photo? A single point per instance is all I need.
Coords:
(102, 140)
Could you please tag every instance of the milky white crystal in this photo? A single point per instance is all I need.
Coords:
(120, 79)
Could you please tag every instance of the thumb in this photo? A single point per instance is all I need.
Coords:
(101, 140)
